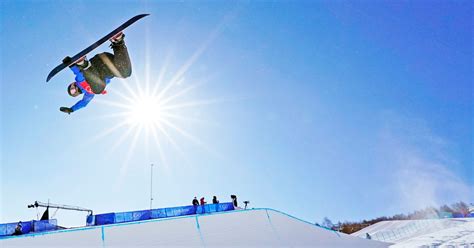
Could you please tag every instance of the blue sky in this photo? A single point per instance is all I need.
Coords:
(348, 110)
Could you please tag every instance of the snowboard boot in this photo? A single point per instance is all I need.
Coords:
(83, 63)
(117, 40)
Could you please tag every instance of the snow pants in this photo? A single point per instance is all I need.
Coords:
(107, 65)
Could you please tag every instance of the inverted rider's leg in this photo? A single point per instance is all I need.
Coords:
(121, 61)
(94, 74)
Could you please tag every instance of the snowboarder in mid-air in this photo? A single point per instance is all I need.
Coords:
(92, 76)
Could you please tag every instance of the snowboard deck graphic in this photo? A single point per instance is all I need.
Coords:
(82, 53)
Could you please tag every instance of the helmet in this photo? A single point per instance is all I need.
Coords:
(73, 90)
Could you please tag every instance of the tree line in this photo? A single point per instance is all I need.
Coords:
(427, 213)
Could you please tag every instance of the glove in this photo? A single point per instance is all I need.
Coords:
(67, 60)
(66, 110)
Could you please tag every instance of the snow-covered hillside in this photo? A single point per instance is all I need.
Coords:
(453, 232)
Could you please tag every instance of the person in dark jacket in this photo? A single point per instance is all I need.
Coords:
(93, 76)
(18, 229)
(214, 200)
(234, 200)
(195, 202)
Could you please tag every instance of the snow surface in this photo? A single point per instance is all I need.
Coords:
(453, 232)
(243, 228)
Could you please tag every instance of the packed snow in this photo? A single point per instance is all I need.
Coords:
(240, 228)
(452, 232)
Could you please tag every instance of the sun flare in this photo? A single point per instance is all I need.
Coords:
(152, 109)
(145, 110)
(149, 115)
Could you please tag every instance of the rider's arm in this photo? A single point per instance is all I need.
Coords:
(82, 103)
(79, 76)
(87, 97)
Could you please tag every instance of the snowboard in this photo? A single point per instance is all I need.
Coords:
(93, 46)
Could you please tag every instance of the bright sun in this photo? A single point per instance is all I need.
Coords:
(150, 114)
(152, 111)
(145, 111)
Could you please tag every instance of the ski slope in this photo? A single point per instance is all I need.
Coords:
(453, 232)
(244, 228)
